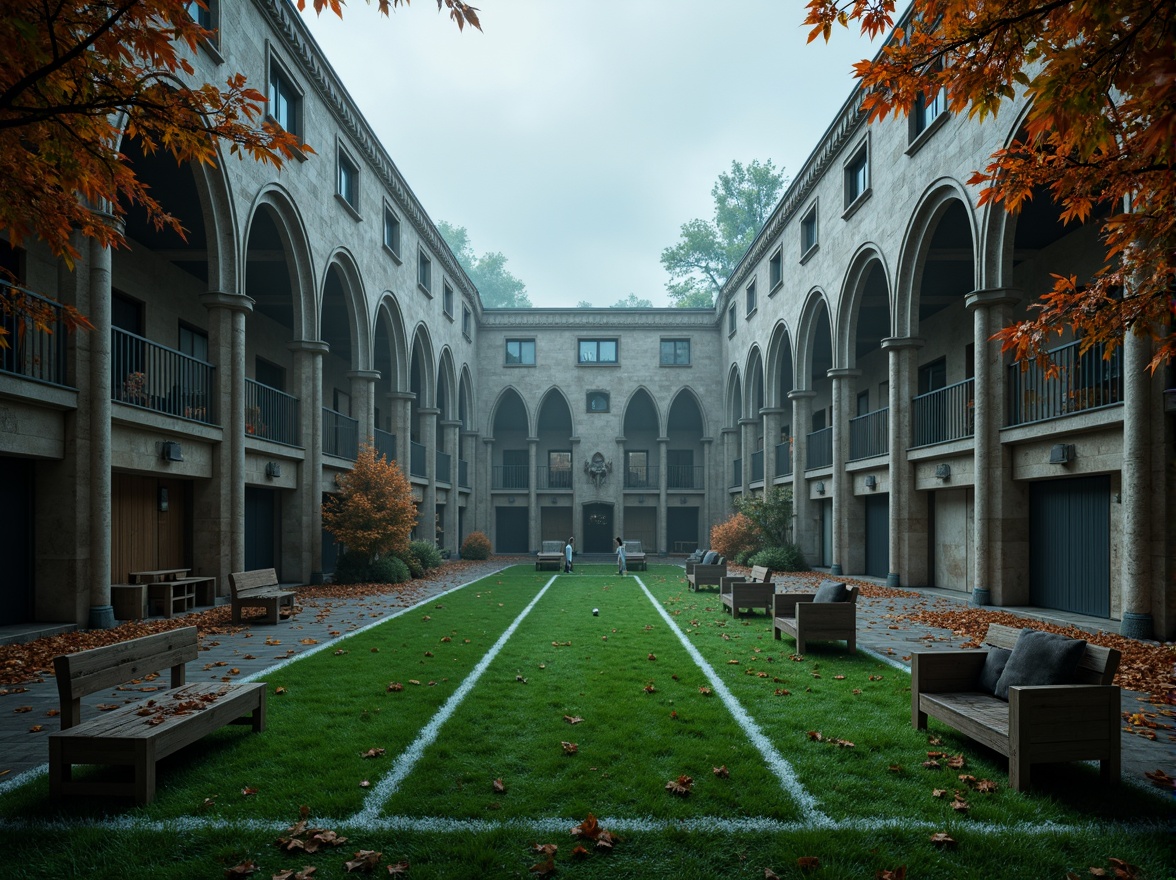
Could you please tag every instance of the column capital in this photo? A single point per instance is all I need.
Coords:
(534, 441)
(662, 440)
(428, 411)
(473, 434)
(843, 373)
(489, 441)
(730, 430)
(311, 346)
(400, 395)
(363, 375)
(801, 394)
(449, 423)
(774, 410)
(706, 440)
(993, 296)
(901, 343)
(748, 421)
(223, 299)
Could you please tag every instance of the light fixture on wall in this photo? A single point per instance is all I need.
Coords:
(510, 499)
(871, 482)
(273, 469)
(640, 499)
(170, 450)
(943, 473)
(1061, 453)
(820, 487)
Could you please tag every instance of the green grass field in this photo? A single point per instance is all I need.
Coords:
(477, 687)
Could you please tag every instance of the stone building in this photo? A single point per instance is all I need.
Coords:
(233, 374)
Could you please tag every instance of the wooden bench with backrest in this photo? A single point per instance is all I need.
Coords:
(756, 591)
(551, 556)
(258, 589)
(1076, 719)
(141, 733)
(830, 614)
(635, 556)
(706, 574)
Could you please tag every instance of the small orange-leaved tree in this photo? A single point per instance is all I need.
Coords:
(373, 512)
(734, 536)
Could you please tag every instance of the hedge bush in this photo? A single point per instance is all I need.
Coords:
(786, 558)
(389, 570)
(475, 546)
(735, 535)
(428, 554)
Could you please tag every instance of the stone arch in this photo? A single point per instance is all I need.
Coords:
(348, 331)
(814, 349)
(753, 386)
(285, 294)
(509, 398)
(390, 342)
(779, 367)
(865, 307)
(465, 398)
(633, 395)
(447, 384)
(683, 396)
(422, 369)
(733, 409)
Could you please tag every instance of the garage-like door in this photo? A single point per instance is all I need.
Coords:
(1070, 545)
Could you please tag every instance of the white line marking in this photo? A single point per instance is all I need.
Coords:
(407, 759)
(775, 761)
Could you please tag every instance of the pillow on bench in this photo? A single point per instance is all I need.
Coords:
(994, 665)
(831, 591)
(1040, 658)
(709, 557)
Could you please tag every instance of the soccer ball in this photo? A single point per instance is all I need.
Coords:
(595, 612)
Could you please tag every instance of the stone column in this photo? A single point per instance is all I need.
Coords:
(732, 447)
(806, 532)
(577, 506)
(219, 504)
(427, 421)
(746, 448)
(308, 379)
(485, 495)
(1001, 532)
(663, 445)
(773, 417)
(101, 483)
(707, 511)
(534, 523)
(620, 473)
(469, 447)
(400, 410)
(449, 429)
(363, 401)
(848, 518)
(1139, 483)
(908, 508)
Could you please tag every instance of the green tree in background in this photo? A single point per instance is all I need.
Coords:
(632, 301)
(708, 251)
(499, 289)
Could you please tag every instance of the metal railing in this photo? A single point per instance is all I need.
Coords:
(783, 459)
(271, 414)
(1082, 382)
(33, 352)
(869, 435)
(757, 466)
(510, 476)
(463, 473)
(820, 449)
(554, 478)
(155, 377)
(385, 444)
(684, 476)
(944, 414)
(444, 466)
(645, 477)
(737, 473)
(417, 459)
(340, 435)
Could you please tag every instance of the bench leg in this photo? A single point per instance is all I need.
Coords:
(851, 642)
(60, 771)
(145, 772)
(799, 643)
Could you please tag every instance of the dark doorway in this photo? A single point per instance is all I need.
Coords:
(598, 528)
(682, 529)
(16, 540)
(1070, 545)
(510, 533)
(261, 528)
(877, 535)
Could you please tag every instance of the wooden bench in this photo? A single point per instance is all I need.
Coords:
(807, 621)
(757, 591)
(551, 556)
(700, 575)
(141, 733)
(635, 557)
(258, 589)
(1039, 724)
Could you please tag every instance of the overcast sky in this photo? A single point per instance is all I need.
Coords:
(577, 137)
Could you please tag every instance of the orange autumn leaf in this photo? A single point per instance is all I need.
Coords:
(808, 863)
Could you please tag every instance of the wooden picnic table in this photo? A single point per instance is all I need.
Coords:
(157, 576)
(171, 590)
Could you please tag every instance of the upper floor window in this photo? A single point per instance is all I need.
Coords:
(425, 273)
(775, 270)
(285, 101)
(348, 180)
(520, 352)
(675, 352)
(391, 231)
(927, 109)
(598, 351)
(465, 320)
(857, 175)
(447, 298)
(731, 320)
(597, 401)
(933, 376)
(808, 231)
(201, 13)
(193, 342)
(750, 299)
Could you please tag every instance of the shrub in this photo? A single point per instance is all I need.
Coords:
(414, 565)
(771, 511)
(786, 558)
(353, 567)
(389, 570)
(475, 546)
(735, 534)
(742, 557)
(427, 554)
(373, 512)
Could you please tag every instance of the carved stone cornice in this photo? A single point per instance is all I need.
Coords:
(602, 319)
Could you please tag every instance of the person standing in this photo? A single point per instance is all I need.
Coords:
(620, 557)
(568, 555)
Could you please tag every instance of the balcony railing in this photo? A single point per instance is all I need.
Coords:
(944, 414)
(1083, 381)
(444, 466)
(510, 476)
(783, 459)
(737, 473)
(418, 458)
(684, 476)
(869, 435)
(340, 435)
(554, 478)
(155, 377)
(463, 473)
(757, 466)
(820, 449)
(646, 477)
(385, 444)
(271, 414)
(33, 352)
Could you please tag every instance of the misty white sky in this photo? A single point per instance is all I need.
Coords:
(577, 137)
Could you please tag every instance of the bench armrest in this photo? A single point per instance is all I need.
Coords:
(817, 613)
(784, 604)
(939, 672)
(726, 582)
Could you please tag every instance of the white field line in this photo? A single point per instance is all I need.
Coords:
(407, 759)
(775, 761)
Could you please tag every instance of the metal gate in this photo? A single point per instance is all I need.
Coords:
(1070, 545)
(877, 535)
(511, 530)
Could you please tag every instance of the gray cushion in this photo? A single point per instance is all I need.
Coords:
(709, 557)
(831, 591)
(994, 665)
(1040, 658)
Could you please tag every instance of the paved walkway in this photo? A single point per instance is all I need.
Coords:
(255, 649)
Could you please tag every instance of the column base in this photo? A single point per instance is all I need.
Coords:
(101, 617)
(980, 596)
(1137, 626)
(893, 579)
(835, 569)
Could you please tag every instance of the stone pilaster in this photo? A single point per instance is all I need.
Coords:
(1138, 491)
(663, 446)
(773, 417)
(363, 401)
(907, 530)
(848, 515)
(747, 435)
(450, 443)
(101, 486)
(308, 379)
(427, 422)
(807, 532)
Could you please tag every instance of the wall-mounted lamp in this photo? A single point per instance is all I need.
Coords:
(871, 482)
(640, 499)
(510, 499)
(170, 450)
(943, 473)
(683, 500)
(820, 487)
(273, 469)
(555, 499)
(1061, 453)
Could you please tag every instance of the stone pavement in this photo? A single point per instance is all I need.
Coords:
(321, 620)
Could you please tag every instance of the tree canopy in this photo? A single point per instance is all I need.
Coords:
(373, 513)
(708, 250)
(1099, 137)
(498, 288)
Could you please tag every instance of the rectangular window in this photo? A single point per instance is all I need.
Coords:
(193, 342)
(447, 298)
(680, 469)
(598, 351)
(391, 231)
(597, 402)
(559, 469)
(675, 352)
(270, 374)
(863, 403)
(808, 231)
(926, 110)
(126, 313)
(933, 376)
(520, 352)
(857, 175)
(775, 270)
(750, 298)
(201, 14)
(348, 180)
(285, 102)
(636, 469)
(425, 273)
(342, 401)
(465, 321)
(731, 320)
